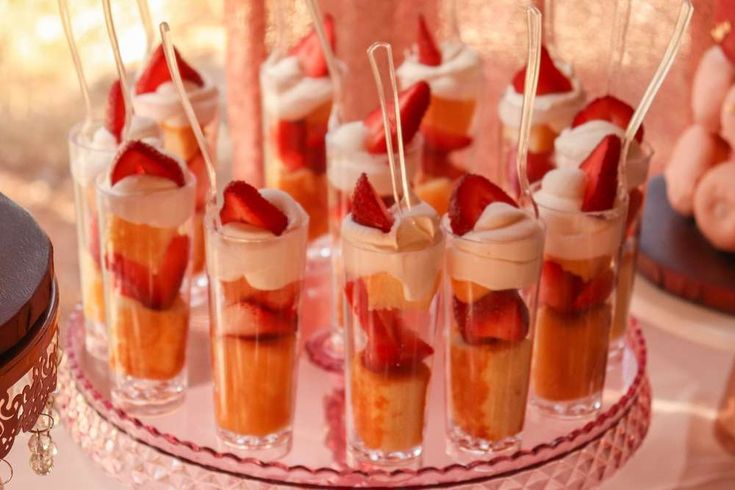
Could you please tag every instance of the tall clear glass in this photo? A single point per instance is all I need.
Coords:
(254, 332)
(87, 162)
(146, 244)
(390, 321)
(576, 304)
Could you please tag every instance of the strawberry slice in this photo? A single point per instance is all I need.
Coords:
(499, 315)
(244, 204)
(559, 289)
(115, 116)
(550, 79)
(139, 158)
(607, 108)
(290, 138)
(470, 198)
(309, 50)
(601, 170)
(367, 207)
(413, 103)
(724, 27)
(155, 290)
(254, 321)
(595, 291)
(435, 163)
(390, 344)
(441, 141)
(156, 72)
(429, 54)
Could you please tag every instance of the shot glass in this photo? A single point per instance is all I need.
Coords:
(576, 304)
(391, 302)
(146, 246)
(87, 161)
(637, 176)
(490, 311)
(254, 285)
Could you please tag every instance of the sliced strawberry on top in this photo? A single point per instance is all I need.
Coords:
(244, 204)
(309, 50)
(442, 141)
(501, 315)
(724, 27)
(429, 54)
(559, 289)
(413, 103)
(550, 79)
(601, 170)
(139, 158)
(367, 207)
(115, 114)
(607, 108)
(156, 72)
(595, 291)
(470, 198)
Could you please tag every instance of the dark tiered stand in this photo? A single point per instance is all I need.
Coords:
(676, 257)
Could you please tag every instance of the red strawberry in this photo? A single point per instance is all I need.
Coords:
(724, 28)
(436, 163)
(607, 108)
(429, 54)
(497, 315)
(309, 50)
(290, 138)
(139, 158)
(635, 202)
(158, 290)
(550, 79)
(441, 141)
(601, 169)
(390, 344)
(254, 321)
(316, 150)
(115, 117)
(198, 167)
(367, 207)
(559, 288)
(156, 72)
(244, 204)
(595, 291)
(470, 198)
(413, 103)
(537, 165)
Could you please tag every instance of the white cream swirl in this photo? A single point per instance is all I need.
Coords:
(287, 92)
(164, 106)
(411, 251)
(555, 110)
(347, 159)
(574, 145)
(504, 250)
(268, 262)
(458, 77)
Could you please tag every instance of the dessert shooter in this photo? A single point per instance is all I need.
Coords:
(156, 98)
(559, 97)
(453, 70)
(599, 118)
(256, 255)
(91, 149)
(494, 256)
(145, 211)
(297, 102)
(584, 214)
(392, 269)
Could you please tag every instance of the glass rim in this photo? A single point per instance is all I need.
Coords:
(189, 183)
(212, 222)
(438, 242)
(609, 214)
(76, 136)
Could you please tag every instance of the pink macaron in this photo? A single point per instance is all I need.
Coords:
(714, 206)
(713, 78)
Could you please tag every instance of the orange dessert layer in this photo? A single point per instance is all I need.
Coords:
(541, 139)
(489, 386)
(385, 292)
(623, 293)
(93, 295)
(180, 141)
(138, 242)
(254, 383)
(198, 251)
(310, 190)
(452, 116)
(146, 343)
(570, 355)
(436, 193)
(388, 409)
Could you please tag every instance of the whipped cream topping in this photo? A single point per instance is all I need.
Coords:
(348, 159)
(148, 199)
(93, 156)
(458, 77)
(504, 250)
(554, 110)
(574, 145)
(164, 107)
(268, 262)
(411, 251)
(570, 233)
(289, 94)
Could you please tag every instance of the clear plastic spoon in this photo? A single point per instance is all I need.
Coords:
(69, 34)
(120, 68)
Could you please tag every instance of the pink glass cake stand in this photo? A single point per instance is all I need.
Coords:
(181, 449)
